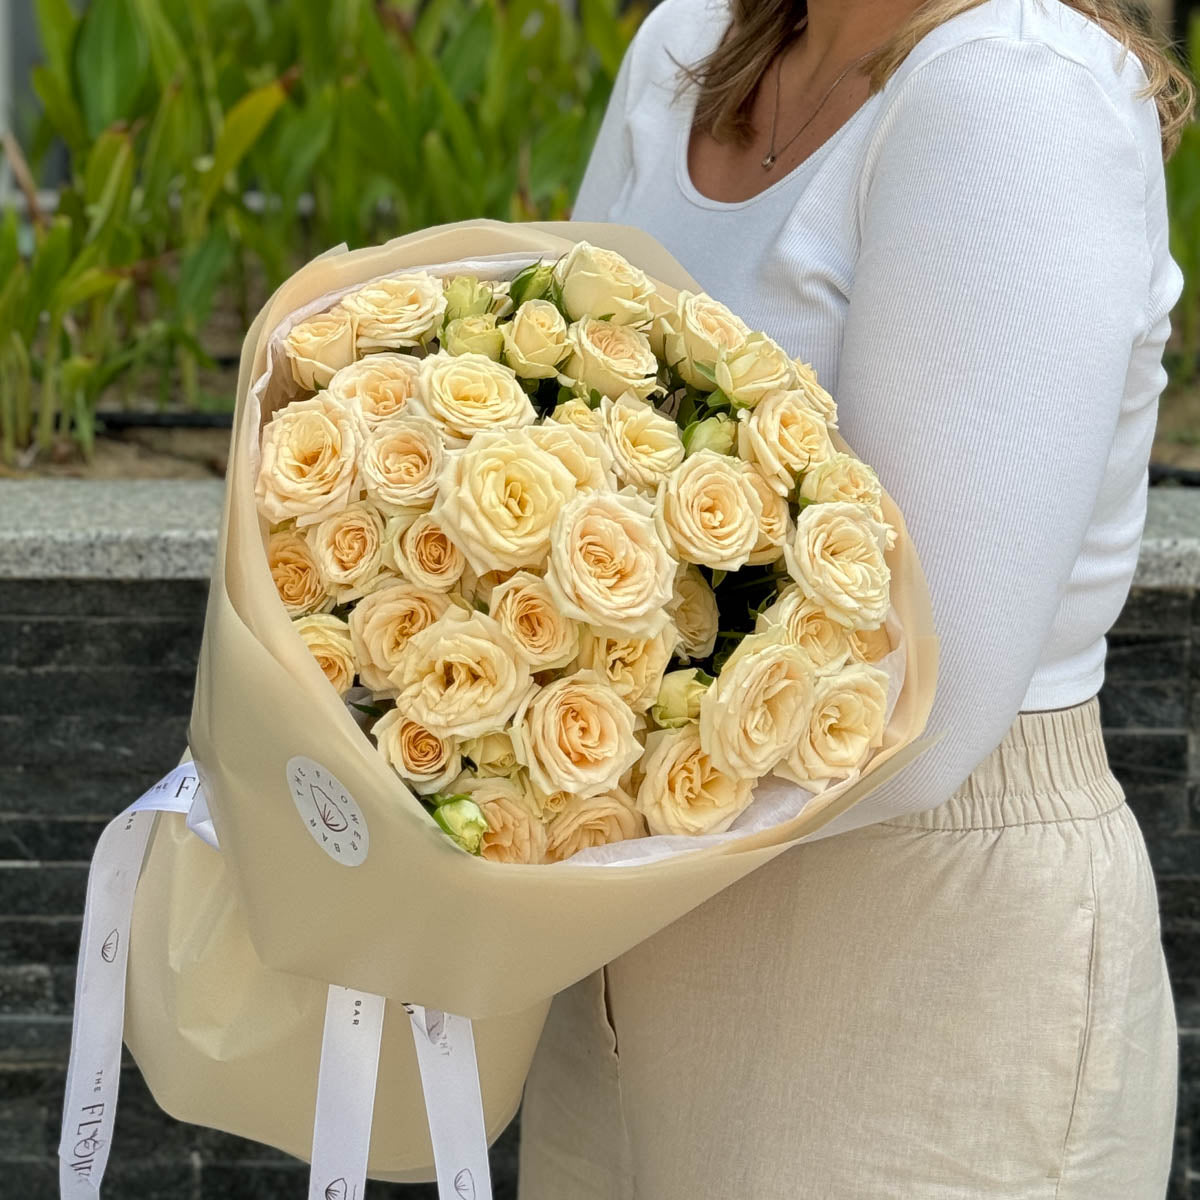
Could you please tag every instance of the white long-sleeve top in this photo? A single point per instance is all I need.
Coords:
(977, 266)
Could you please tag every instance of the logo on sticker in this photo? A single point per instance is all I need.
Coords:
(329, 812)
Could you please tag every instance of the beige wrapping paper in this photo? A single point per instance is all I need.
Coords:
(231, 952)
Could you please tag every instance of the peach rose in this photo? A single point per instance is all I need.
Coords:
(421, 758)
(378, 388)
(682, 791)
(319, 347)
(595, 821)
(309, 467)
(575, 735)
(328, 641)
(348, 547)
(296, 575)
(382, 623)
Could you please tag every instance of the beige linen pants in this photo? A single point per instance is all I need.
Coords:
(968, 1002)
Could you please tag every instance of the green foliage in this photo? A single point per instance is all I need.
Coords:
(1183, 203)
(213, 145)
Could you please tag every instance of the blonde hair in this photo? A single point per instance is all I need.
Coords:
(729, 77)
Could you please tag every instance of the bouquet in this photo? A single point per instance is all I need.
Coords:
(580, 553)
(548, 602)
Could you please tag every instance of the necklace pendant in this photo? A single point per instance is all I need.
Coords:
(768, 162)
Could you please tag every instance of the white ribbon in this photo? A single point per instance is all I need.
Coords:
(345, 1094)
(453, 1105)
(94, 1070)
(349, 1050)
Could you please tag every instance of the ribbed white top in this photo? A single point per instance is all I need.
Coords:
(977, 266)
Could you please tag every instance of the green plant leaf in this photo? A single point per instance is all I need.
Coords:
(57, 23)
(244, 124)
(110, 62)
(165, 49)
(60, 109)
(84, 285)
(200, 274)
(50, 261)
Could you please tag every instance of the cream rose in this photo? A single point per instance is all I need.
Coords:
(524, 605)
(319, 347)
(807, 625)
(467, 393)
(775, 524)
(328, 641)
(682, 792)
(400, 464)
(595, 282)
(709, 511)
(477, 589)
(600, 820)
(693, 608)
(535, 340)
(610, 359)
(499, 498)
(579, 413)
(491, 754)
(782, 436)
(296, 575)
(425, 555)
(417, 755)
(381, 625)
(699, 332)
(462, 676)
(632, 667)
(378, 388)
(818, 399)
(870, 645)
(395, 313)
(584, 454)
(575, 735)
(515, 830)
(845, 724)
(837, 558)
(348, 548)
(309, 467)
(646, 445)
(752, 716)
(842, 477)
(477, 334)
(608, 565)
(760, 365)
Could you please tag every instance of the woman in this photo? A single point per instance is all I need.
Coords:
(956, 212)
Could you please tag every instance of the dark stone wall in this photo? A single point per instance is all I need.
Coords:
(95, 688)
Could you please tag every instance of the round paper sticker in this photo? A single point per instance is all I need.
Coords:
(329, 811)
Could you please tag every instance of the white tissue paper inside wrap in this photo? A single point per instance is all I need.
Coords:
(775, 800)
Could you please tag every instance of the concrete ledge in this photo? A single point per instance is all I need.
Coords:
(155, 529)
(109, 529)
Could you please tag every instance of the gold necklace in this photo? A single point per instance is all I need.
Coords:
(772, 154)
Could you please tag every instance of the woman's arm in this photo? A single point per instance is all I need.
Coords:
(1002, 280)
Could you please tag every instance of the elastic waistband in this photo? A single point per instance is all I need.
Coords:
(1050, 766)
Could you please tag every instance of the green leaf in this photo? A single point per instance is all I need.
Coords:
(57, 22)
(200, 275)
(110, 62)
(244, 124)
(50, 262)
(63, 114)
(165, 49)
(108, 182)
(83, 286)
(602, 32)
